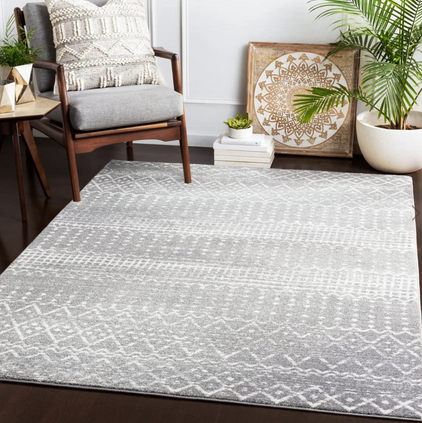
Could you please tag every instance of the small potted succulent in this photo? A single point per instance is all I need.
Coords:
(16, 62)
(240, 127)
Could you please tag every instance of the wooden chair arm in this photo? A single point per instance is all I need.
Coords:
(46, 64)
(175, 66)
(165, 54)
(59, 70)
(61, 84)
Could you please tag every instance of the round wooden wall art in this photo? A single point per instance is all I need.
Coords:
(273, 83)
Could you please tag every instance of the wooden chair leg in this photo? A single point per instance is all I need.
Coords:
(184, 149)
(73, 170)
(129, 151)
(32, 147)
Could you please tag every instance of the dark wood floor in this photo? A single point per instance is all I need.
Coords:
(26, 403)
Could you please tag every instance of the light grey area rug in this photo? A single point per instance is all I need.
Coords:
(278, 287)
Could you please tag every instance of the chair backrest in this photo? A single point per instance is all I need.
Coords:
(36, 17)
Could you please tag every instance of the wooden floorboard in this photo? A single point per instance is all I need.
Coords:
(26, 403)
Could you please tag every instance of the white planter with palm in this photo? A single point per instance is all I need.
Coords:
(389, 34)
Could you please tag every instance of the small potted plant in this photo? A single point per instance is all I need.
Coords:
(240, 127)
(389, 34)
(16, 62)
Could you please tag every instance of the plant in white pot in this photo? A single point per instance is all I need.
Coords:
(16, 62)
(240, 127)
(389, 34)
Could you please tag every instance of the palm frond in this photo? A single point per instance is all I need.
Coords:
(393, 87)
(412, 26)
(362, 39)
(374, 14)
(383, 84)
(408, 12)
(321, 100)
(414, 40)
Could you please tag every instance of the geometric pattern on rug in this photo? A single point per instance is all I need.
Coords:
(285, 288)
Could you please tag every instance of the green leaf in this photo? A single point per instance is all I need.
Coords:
(14, 52)
(239, 122)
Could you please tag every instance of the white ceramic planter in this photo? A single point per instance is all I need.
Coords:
(390, 150)
(240, 133)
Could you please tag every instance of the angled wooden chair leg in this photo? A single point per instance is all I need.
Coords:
(73, 170)
(32, 147)
(184, 149)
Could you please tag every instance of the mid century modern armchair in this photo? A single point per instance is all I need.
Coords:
(93, 118)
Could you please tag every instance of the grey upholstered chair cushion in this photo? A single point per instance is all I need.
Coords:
(36, 16)
(114, 107)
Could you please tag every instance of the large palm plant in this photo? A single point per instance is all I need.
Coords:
(389, 33)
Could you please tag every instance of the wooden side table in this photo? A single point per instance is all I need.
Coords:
(17, 121)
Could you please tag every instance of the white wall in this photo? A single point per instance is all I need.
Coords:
(6, 10)
(212, 38)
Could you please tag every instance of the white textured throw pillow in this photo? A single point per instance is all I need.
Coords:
(106, 46)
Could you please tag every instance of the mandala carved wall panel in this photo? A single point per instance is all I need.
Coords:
(276, 73)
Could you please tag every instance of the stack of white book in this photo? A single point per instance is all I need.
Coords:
(256, 151)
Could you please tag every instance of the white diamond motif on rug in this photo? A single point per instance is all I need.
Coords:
(285, 288)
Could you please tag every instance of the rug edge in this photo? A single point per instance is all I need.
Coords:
(183, 397)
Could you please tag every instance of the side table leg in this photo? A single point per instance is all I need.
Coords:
(32, 147)
(19, 172)
(1, 136)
